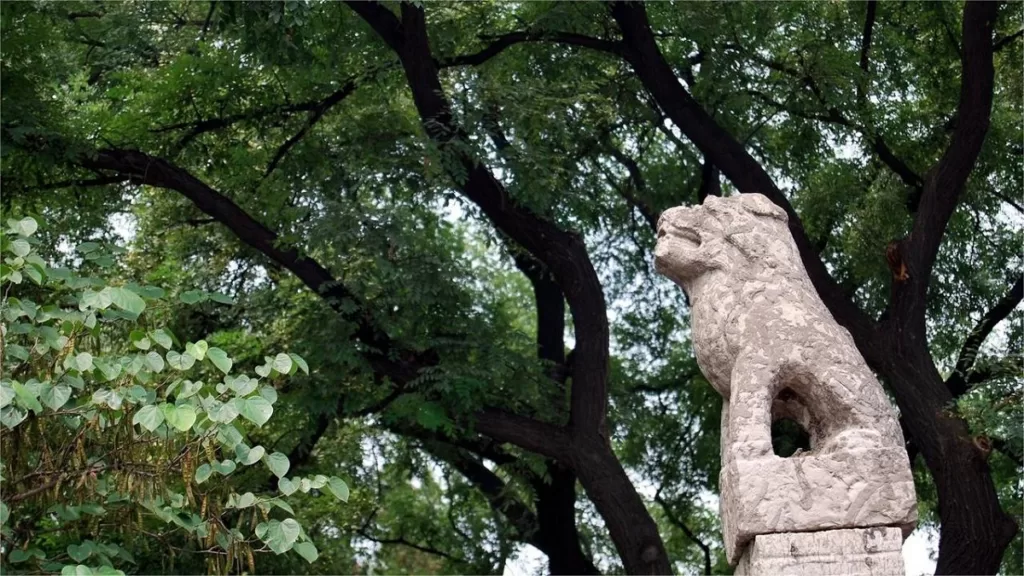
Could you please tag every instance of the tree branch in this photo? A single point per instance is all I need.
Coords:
(533, 435)
(945, 181)
(1006, 40)
(958, 381)
(500, 43)
(563, 253)
(492, 487)
(314, 116)
(865, 46)
(403, 542)
(726, 154)
(686, 530)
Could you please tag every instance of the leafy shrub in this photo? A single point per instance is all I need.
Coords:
(113, 432)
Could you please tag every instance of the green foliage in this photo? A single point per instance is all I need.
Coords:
(104, 438)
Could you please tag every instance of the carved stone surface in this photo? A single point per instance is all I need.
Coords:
(851, 552)
(769, 345)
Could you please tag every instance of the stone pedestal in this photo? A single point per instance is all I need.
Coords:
(853, 488)
(851, 552)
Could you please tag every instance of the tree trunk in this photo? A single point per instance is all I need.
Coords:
(556, 517)
(632, 529)
(975, 529)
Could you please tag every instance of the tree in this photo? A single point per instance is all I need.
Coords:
(546, 139)
(107, 444)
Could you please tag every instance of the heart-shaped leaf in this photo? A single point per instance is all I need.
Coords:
(180, 361)
(162, 337)
(197, 350)
(150, 417)
(79, 552)
(220, 359)
(263, 370)
(56, 396)
(257, 410)
(283, 363)
(181, 417)
(338, 487)
(127, 300)
(308, 551)
(242, 385)
(155, 362)
(278, 464)
(224, 468)
(83, 361)
(246, 500)
(203, 472)
(286, 486)
(299, 362)
(253, 456)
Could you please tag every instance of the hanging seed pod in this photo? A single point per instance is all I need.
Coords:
(249, 558)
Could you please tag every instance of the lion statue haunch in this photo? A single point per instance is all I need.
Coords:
(769, 346)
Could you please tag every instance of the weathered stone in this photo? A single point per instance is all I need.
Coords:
(850, 552)
(769, 345)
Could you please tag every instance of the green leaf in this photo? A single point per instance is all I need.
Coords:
(6, 394)
(338, 487)
(180, 361)
(83, 361)
(86, 247)
(20, 247)
(257, 410)
(222, 298)
(278, 464)
(26, 397)
(300, 362)
(192, 296)
(161, 337)
(139, 340)
(224, 468)
(248, 457)
(307, 550)
(181, 417)
(220, 359)
(283, 363)
(98, 300)
(25, 227)
(286, 486)
(79, 552)
(110, 370)
(149, 417)
(155, 362)
(203, 472)
(56, 396)
(197, 350)
(281, 536)
(269, 393)
(127, 300)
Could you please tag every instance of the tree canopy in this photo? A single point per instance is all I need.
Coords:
(449, 209)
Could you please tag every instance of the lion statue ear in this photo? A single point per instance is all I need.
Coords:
(760, 205)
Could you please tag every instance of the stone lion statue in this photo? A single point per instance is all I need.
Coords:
(771, 348)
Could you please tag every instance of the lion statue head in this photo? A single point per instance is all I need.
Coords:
(739, 236)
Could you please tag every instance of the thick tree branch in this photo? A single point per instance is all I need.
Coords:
(726, 154)
(958, 382)
(946, 180)
(865, 46)
(493, 488)
(564, 254)
(540, 437)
